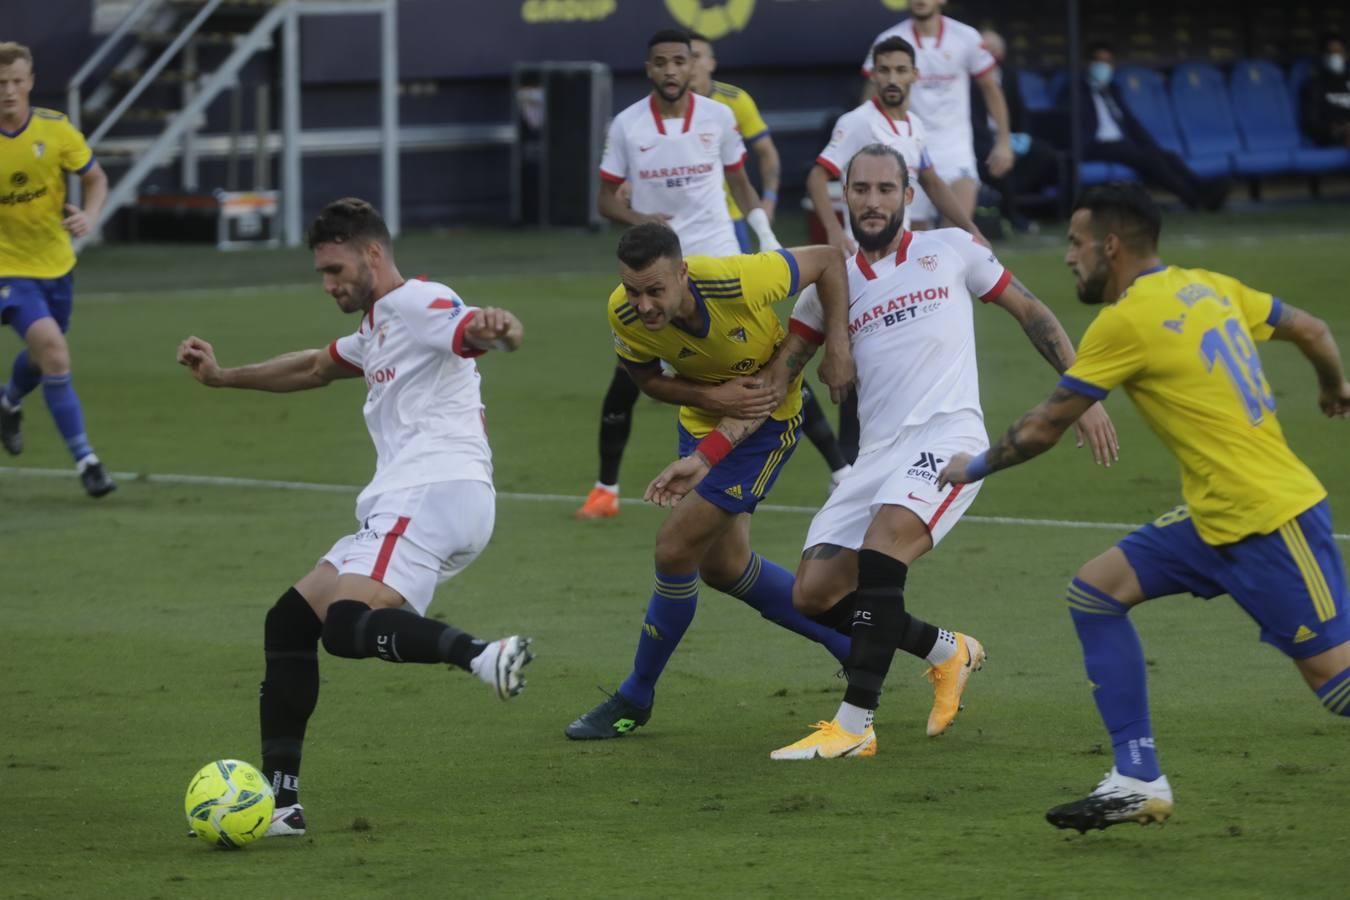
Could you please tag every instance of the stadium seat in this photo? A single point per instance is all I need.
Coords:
(1056, 87)
(1145, 93)
(1034, 93)
(1093, 172)
(1205, 118)
(1267, 122)
(1308, 157)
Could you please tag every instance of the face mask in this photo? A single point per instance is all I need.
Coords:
(1099, 73)
(1335, 63)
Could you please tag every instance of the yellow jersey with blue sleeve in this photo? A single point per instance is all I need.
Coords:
(748, 122)
(1182, 342)
(737, 329)
(33, 164)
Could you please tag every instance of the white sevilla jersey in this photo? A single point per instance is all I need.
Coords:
(677, 166)
(941, 98)
(423, 406)
(869, 124)
(912, 329)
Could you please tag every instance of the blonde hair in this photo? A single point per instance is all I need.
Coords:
(11, 52)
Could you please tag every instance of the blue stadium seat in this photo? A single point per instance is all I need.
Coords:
(1034, 94)
(1056, 87)
(1206, 122)
(1308, 157)
(1145, 93)
(1267, 122)
(1093, 172)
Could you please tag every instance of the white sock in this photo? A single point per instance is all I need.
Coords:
(609, 487)
(5, 404)
(486, 661)
(944, 649)
(85, 462)
(853, 719)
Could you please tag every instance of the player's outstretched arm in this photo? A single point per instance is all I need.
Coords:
(1047, 335)
(945, 202)
(1314, 340)
(821, 265)
(615, 208)
(298, 371)
(494, 329)
(1033, 434)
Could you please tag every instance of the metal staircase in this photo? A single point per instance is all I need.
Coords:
(146, 97)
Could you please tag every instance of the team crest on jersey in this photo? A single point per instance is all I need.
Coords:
(685, 353)
(381, 334)
(39, 148)
(737, 334)
(19, 179)
(929, 262)
(708, 140)
(745, 365)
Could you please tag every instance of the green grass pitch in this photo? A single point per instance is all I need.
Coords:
(131, 629)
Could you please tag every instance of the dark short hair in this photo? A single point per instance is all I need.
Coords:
(348, 220)
(1101, 45)
(668, 36)
(880, 149)
(644, 244)
(1328, 37)
(894, 44)
(699, 36)
(1125, 209)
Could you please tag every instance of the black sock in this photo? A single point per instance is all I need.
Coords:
(289, 691)
(840, 616)
(877, 626)
(818, 429)
(616, 421)
(850, 432)
(356, 631)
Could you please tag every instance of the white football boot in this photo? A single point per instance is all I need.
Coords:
(1116, 800)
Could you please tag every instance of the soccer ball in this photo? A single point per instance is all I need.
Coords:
(229, 803)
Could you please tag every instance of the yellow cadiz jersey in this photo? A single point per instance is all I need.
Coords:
(1183, 343)
(734, 297)
(33, 163)
(748, 122)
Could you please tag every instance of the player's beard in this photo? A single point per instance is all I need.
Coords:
(680, 92)
(361, 294)
(887, 93)
(1092, 289)
(877, 240)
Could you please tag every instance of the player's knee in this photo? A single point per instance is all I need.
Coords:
(810, 597)
(291, 625)
(674, 555)
(344, 629)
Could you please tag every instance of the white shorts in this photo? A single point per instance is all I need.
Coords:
(415, 538)
(950, 166)
(903, 473)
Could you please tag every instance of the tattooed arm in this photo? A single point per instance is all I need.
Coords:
(684, 474)
(1033, 434)
(1040, 324)
(1314, 340)
(1050, 340)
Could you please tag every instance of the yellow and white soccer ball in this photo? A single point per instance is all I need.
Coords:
(229, 803)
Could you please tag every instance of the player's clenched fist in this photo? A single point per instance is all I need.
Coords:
(494, 329)
(200, 358)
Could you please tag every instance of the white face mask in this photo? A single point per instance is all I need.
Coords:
(1100, 72)
(1335, 63)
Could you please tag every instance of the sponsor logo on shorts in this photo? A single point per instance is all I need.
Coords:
(926, 467)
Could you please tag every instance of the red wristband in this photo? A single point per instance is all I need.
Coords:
(714, 447)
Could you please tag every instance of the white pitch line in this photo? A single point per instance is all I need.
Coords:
(320, 488)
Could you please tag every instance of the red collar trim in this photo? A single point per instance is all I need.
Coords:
(903, 252)
(864, 267)
(918, 38)
(660, 122)
(876, 101)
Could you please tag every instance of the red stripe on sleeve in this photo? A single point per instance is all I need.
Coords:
(736, 165)
(804, 331)
(956, 489)
(612, 178)
(387, 548)
(337, 358)
(457, 345)
(827, 166)
(997, 290)
(986, 70)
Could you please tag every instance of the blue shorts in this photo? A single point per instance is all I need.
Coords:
(1291, 581)
(25, 300)
(745, 475)
(742, 235)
